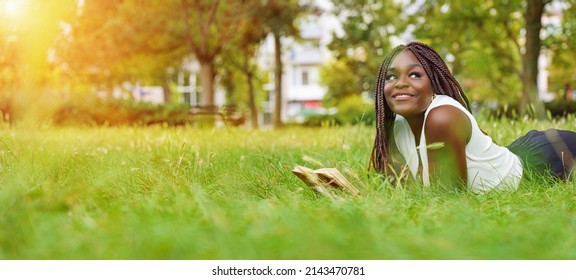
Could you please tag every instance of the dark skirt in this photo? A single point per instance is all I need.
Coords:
(549, 152)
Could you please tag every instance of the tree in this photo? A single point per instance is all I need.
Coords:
(533, 44)
(480, 44)
(111, 42)
(494, 30)
(368, 26)
(279, 18)
(242, 55)
(209, 27)
(26, 41)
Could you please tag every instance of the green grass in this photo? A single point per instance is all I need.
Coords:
(183, 193)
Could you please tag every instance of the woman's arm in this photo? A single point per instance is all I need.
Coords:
(450, 126)
(399, 166)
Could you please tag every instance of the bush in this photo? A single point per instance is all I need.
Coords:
(354, 110)
(351, 110)
(556, 108)
(113, 112)
(560, 108)
(321, 120)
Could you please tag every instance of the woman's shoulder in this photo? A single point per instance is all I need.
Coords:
(441, 99)
(446, 121)
(443, 107)
(446, 116)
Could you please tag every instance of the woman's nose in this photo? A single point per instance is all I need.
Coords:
(400, 84)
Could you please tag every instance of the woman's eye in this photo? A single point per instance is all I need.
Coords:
(390, 77)
(415, 75)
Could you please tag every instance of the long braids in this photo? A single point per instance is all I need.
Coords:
(381, 156)
(442, 81)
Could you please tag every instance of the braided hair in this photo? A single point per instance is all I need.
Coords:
(442, 81)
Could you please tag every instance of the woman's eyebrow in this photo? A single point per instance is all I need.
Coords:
(409, 66)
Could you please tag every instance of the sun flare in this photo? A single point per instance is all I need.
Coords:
(12, 7)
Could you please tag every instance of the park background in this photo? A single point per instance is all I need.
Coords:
(156, 129)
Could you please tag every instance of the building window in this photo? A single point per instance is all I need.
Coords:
(305, 78)
(311, 45)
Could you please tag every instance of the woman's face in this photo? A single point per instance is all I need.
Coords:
(408, 90)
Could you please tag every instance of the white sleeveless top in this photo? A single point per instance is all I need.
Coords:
(489, 165)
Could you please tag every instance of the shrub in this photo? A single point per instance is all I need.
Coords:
(354, 110)
(113, 112)
(560, 107)
(321, 120)
(556, 108)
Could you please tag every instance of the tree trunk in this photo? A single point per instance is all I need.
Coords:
(533, 25)
(207, 75)
(248, 70)
(167, 92)
(252, 100)
(277, 117)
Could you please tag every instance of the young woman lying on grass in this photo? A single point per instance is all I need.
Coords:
(423, 122)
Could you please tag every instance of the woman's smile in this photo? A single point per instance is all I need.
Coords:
(402, 96)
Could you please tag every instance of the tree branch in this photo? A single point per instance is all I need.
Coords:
(511, 36)
(187, 31)
(508, 58)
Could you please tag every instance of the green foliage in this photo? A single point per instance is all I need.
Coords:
(181, 193)
(563, 68)
(562, 71)
(279, 19)
(111, 42)
(557, 108)
(116, 41)
(26, 43)
(340, 81)
(279, 16)
(481, 40)
(320, 120)
(113, 112)
(246, 89)
(367, 27)
(483, 81)
(234, 83)
(355, 110)
(352, 110)
(561, 108)
(96, 111)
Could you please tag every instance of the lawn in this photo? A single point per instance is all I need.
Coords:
(184, 193)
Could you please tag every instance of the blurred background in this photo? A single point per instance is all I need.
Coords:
(268, 63)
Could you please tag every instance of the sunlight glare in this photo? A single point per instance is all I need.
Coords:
(12, 7)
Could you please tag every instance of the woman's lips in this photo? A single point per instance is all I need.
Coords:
(402, 96)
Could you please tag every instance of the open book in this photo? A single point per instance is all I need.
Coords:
(324, 179)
